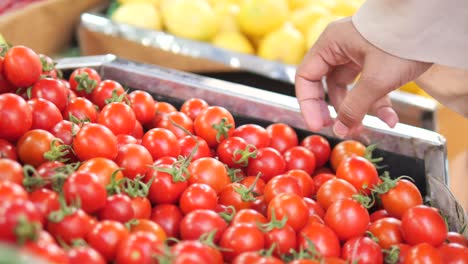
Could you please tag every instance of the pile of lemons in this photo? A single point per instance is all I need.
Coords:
(279, 30)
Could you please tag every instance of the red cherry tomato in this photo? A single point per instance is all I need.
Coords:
(161, 142)
(45, 115)
(362, 250)
(16, 117)
(206, 122)
(11, 170)
(83, 81)
(105, 237)
(104, 91)
(319, 146)
(292, 206)
(348, 218)
(193, 107)
(423, 224)
(282, 137)
(360, 172)
(93, 141)
(22, 66)
(268, 162)
(168, 216)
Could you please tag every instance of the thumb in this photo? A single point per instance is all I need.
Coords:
(359, 101)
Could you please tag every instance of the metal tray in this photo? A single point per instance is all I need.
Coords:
(418, 110)
(407, 150)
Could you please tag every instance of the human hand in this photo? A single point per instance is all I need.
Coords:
(341, 54)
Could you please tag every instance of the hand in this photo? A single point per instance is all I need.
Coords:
(341, 54)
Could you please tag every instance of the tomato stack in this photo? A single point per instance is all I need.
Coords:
(92, 173)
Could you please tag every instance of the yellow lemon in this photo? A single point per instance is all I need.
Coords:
(303, 18)
(234, 41)
(413, 88)
(215, 2)
(227, 16)
(328, 4)
(285, 44)
(194, 19)
(154, 2)
(259, 17)
(143, 15)
(344, 8)
(315, 30)
(298, 4)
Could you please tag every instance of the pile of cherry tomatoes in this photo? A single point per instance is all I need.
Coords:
(92, 173)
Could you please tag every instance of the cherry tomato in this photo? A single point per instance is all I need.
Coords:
(17, 221)
(73, 226)
(345, 149)
(141, 207)
(379, 214)
(241, 238)
(82, 109)
(282, 137)
(196, 250)
(118, 207)
(323, 238)
(202, 221)
(83, 254)
(453, 253)
(209, 171)
(403, 196)
(33, 145)
(348, 218)
(7, 150)
(360, 172)
(235, 152)
(106, 90)
(11, 170)
(180, 119)
(305, 182)
(423, 253)
(138, 248)
(16, 117)
(147, 225)
(48, 67)
(388, 232)
(284, 239)
(362, 250)
(10, 191)
(83, 81)
(319, 146)
(106, 236)
(173, 186)
(85, 188)
(334, 190)
(143, 105)
(162, 108)
(45, 201)
(65, 131)
(454, 237)
(103, 168)
(298, 157)
(236, 195)
(93, 141)
(268, 162)
(292, 206)
(188, 143)
(118, 117)
(168, 216)
(5, 85)
(161, 142)
(45, 251)
(423, 224)
(22, 66)
(314, 208)
(253, 134)
(248, 216)
(206, 122)
(193, 107)
(198, 196)
(45, 115)
(321, 178)
(134, 159)
(259, 187)
(281, 184)
(52, 90)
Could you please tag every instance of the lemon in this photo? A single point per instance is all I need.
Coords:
(227, 16)
(303, 18)
(285, 44)
(315, 30)
(215, 2)
(328, 4)
(413, 88)
(154, 2)
(298, 4)
(194, 19)
(344, 8)
(143, 15)
(259, 17)
(234, 41)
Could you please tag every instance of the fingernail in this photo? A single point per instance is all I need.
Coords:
(340, 129)
(389, 116)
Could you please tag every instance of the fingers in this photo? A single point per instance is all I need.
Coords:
(338, 81)
(384, 111)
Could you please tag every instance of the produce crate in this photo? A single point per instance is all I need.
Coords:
(98, 34)
(46, 26)
(407, 150)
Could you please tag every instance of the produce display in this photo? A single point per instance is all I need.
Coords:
(93, 173)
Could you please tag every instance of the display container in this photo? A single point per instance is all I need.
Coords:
(407, 150)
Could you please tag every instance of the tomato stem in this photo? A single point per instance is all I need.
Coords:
(26, 230)
(250, 152)
(268, 252)
(57, 151)
(392, 255)
(364, 200)
(274, 223)
(115, 98)
(114, 186)
(222, 129)
(85, 83)
(232, 173)
(228, 216)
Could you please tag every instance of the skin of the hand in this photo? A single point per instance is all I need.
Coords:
(340, 55)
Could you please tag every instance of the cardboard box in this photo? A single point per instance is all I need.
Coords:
(47, 26)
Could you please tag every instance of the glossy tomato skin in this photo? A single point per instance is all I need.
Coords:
(82, 109)
(84, 89)
(16, 117)
(45, 201)
(106, 236)
(141, 207)
(283, 238)
(453, 253)
(10, 191)
(345, 149)
(11, 170)
(325, 240)
(209, 171)
(348, 218)
(321, 178)
(73, 226)
(138, 248)
(379, 214)
(7, 150)
(142, 104)
(45, 114)
(198, 196)
(319, 146)
(305, 182)
(168, 216)
(103, 168)
(161, 142)
(83, 254)
(118, 207)
(213, 115)
(193, 250)
(173, 189)
(400, 198)
(85, 187)
(282, 137)
(423, 253)
(134, 159)
(314, 208)
(334, 190)
(93, 141)
(388, 231)
(231, 196)
(241, 238)
(65, 131)
(146, 225)
(362, 250)
(292, 206)
(454, 237)
(45, 251)
(12, 211)
(180, 119)
(259, 187)
(360, 172)
(33, 145)
(229, 152)
(281, 184)
(193, 107)
(52, 90)
(188, 143)
(118, 117)
(269, 162)
(105, 90)
(253, 134)
(201, 221)
(423, 224)
(248, 216)
(22, 66)
(301, 158)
